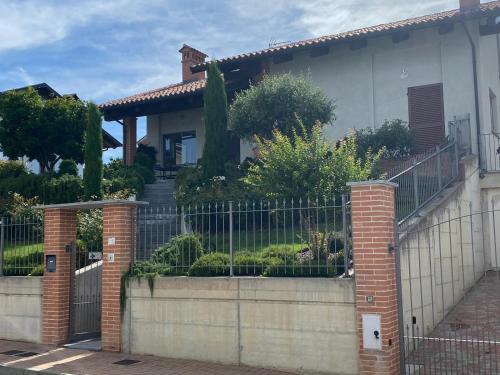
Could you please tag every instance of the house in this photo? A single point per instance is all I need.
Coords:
(46, 92)
(426, 70)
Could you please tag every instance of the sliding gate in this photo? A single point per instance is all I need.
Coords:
(450, 289)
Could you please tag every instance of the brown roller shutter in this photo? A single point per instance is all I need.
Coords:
(426, 114)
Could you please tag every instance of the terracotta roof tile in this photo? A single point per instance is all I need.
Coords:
(163, 92)
(191, 87)
(484, 8)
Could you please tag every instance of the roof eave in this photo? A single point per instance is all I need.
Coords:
(372, 34)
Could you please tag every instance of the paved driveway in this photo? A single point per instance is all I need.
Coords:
(50, 360)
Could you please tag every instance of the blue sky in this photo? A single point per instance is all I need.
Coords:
(106, 49)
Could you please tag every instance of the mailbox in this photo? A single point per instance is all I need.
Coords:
(50, 262)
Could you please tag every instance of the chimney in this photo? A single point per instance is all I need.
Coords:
(191, 56)
(469, 5)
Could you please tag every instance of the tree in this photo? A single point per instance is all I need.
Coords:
(42, 130)
(276, 102)
(394, 137)
(306, 165)
(93, 171)
(216, 137)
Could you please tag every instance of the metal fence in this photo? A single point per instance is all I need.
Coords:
(450, 307)
(425, 179)
(21, 246)
(272, 238)
(427, 174)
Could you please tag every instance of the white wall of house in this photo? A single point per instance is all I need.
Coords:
(370, 85)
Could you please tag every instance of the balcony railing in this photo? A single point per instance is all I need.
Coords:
(490, 152)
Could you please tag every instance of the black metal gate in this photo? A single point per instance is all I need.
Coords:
(85, 288)
(450, 289)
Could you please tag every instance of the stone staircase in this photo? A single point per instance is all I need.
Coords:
(159, 221)
(160, 194)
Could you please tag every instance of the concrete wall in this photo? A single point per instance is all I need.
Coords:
(441, 259)
(21, 308)
(305, 325)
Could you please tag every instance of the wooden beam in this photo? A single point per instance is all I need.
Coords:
(400, 36)
(279, 59)
(319, 51)
(358, 44)
(446, 28)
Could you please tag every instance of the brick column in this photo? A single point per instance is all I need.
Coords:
(373, 216)
(118, 238)
(60, 230)
(129, 139)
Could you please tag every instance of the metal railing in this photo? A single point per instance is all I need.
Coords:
(425, 179)
(21, 246)
(428, 174)
(271, 238)
(490, 152)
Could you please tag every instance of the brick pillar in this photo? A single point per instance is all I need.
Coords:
(373, 215)
(60, 230)
(118, 238)
(129, 139)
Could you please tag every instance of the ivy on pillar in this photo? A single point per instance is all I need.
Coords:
(373, 215)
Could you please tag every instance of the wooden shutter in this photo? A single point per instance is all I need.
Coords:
(426, 114)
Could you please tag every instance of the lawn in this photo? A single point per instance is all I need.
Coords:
(21, 260)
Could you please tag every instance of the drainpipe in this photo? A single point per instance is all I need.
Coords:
(476, 90)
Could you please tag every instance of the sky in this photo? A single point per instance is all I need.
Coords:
(107, 49)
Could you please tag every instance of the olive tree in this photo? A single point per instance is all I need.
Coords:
(276, 103)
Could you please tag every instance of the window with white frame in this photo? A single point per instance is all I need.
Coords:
(494, 113)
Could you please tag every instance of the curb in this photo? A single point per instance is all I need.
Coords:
(5, 370)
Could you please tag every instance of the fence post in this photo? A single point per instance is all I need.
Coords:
(344, 236)
(415, 183)
(455, 164)
(2, 243)
(374, 239)
(231, 254)
(439, 170)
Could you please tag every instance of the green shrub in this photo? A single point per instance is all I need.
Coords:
(394, 138)
(283, 252)
(214, 264)
(49, 189)
(64, 189)
(147, 174)
(89, 229)
(252, 264)
(148, 151)
(142, 269)
(68, 166)
(120, 177)
(37, 271)
(12, 168)
(144, 159)
(180, 252)
(297, 269)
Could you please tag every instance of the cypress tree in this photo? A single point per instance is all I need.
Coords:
(92, 173)
(216, 137)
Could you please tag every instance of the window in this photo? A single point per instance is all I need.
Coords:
(494, 113)
(180, 149)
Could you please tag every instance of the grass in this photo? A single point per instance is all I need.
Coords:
(21, 260)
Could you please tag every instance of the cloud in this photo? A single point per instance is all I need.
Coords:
(32, 23)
